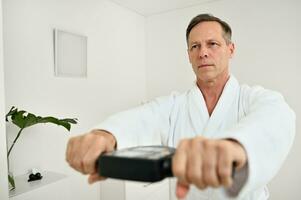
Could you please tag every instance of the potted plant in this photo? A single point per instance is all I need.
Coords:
(23, 119)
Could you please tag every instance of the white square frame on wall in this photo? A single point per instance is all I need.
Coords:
(70, 54)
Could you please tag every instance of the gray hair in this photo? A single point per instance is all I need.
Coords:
(227, 32)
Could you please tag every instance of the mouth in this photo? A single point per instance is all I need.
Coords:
(205, 65)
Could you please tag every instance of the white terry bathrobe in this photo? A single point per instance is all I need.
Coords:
(258, 118)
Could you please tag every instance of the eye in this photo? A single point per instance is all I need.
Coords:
(195, 46)
(213, 44)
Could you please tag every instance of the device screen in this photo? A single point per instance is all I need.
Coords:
(145, 152)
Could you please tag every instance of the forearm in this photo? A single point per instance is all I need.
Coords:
(266, 133)
(143, 125)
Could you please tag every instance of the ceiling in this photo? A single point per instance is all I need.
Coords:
(151, 7)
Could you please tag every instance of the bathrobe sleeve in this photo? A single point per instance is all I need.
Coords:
(266, 131)
(147, 124)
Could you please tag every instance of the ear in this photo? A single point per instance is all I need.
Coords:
(231, 47)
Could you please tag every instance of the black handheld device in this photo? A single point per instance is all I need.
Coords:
(142, 163)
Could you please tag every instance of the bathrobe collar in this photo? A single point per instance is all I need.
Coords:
(205, 124)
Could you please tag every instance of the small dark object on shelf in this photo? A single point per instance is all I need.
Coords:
(34, 177)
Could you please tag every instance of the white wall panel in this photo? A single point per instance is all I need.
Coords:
(3, 160)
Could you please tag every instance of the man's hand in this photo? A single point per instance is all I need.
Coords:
(83, 151)
(206, 163)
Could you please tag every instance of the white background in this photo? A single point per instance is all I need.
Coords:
(132, 58)
(3, 165)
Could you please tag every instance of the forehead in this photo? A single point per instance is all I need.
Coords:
(206, 31)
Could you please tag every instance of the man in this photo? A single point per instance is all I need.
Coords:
(215, 126)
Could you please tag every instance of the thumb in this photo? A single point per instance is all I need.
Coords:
(182, 190)
(94, 178)
(239, 155)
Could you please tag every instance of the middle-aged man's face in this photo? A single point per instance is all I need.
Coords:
(208, 51)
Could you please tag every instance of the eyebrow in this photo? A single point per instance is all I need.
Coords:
(209, 40)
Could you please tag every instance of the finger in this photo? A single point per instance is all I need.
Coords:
(94, 178)
(80, 147)
(239, 160)
(69, 149)
(239, 153)
(92, 154)
(101, 144)
(181, 190)
(179, 161)
(209, 169)
(225, 166)
(72, 148)
(194, 164)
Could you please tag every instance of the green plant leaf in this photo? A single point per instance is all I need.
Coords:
(10, 113)
(61, 122)
(23, 119)
(69, 120)
(11, 180)
(19, 119)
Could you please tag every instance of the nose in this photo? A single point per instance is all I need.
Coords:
(203, 52)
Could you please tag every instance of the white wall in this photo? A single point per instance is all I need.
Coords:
(116, 78)
(3, 163)
(267, 37)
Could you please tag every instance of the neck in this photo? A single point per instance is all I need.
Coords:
(212, 90)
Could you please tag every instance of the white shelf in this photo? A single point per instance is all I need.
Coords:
(23, 186)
